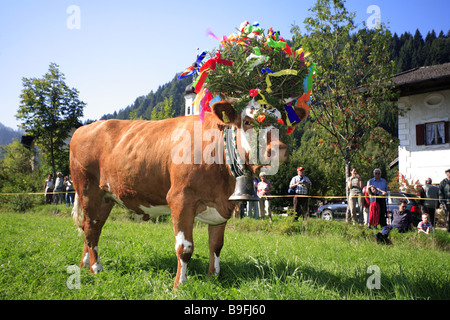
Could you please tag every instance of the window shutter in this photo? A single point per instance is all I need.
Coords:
(447, 135)
(420, 134)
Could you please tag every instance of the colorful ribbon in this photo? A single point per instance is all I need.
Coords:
(284, 72)
(204, 104)
(191, 70)
(276, 44)
(186, 73)
(259, 60)
(263, 100)
(292, 117)
(209, 66)
(305, 98)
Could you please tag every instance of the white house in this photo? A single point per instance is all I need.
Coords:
(423, 129)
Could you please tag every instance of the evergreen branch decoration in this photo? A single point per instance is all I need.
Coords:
(259, 65)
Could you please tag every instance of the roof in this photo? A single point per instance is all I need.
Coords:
(423, 79)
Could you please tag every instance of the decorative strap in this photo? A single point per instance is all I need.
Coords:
(234, 161)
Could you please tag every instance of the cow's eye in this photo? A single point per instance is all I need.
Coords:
(247, 123)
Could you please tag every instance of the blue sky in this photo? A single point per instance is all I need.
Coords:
(125, 49)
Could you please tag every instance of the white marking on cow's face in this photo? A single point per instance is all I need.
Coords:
(155, 211)
(210, 216)
(216, 265)
(274, 112)
(181, 241)
(250, 111)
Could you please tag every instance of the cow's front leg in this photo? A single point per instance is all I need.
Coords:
(184, 246)
(216, 235)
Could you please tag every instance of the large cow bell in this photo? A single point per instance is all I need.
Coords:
(244, 190)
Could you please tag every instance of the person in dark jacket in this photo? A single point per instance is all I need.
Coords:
(401, 220)
(444, 197)
(431, 195)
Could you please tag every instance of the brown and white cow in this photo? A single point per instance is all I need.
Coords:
(146, 167)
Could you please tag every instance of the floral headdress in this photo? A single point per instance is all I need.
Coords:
(255, 65)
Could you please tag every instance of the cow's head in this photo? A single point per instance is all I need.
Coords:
(260, 146)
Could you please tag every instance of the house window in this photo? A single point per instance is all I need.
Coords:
(432, 133)
(435, 133)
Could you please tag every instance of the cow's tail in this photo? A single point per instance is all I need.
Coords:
(77, 213)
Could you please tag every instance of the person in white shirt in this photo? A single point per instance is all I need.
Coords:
(49, 185)
(264, 189)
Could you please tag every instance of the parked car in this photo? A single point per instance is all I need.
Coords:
(337, 210)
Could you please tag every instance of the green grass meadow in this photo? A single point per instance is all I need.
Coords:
(260, 260)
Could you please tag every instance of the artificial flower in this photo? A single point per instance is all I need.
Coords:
(261, 118)
(253, 93)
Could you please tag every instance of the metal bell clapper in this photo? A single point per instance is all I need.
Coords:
(244, 190)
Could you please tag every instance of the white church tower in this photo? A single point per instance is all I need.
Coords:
(189, 97)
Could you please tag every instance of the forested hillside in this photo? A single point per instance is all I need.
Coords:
(413, 51)
(7, 134)
(409, 51)
(143, 105)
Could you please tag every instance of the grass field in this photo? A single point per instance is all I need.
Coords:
(282, 260)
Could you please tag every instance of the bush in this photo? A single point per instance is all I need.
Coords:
(20, 203)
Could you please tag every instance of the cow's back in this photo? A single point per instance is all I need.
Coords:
(132, 162)
(125, 157)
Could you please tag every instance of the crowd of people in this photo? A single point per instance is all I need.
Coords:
(372, 208)
(59, 190)
(366, 203)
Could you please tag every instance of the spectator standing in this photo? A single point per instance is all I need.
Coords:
(264, 189)
(431, 195)
(381, 185)
(354, 184)
(444, 197)
(253, 205)
(366, 205)
(49, 185)
(59, 188)
(70, 195)
(374, 205)
(302, 186)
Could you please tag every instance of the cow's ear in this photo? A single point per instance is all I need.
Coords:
(225, 112)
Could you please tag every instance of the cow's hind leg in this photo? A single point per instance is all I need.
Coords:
(96, 210)
(216, 235)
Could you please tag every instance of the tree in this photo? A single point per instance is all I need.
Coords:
(163, 110)
(133, 115)
(50, 110)
(353, 83)
(16, 176)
